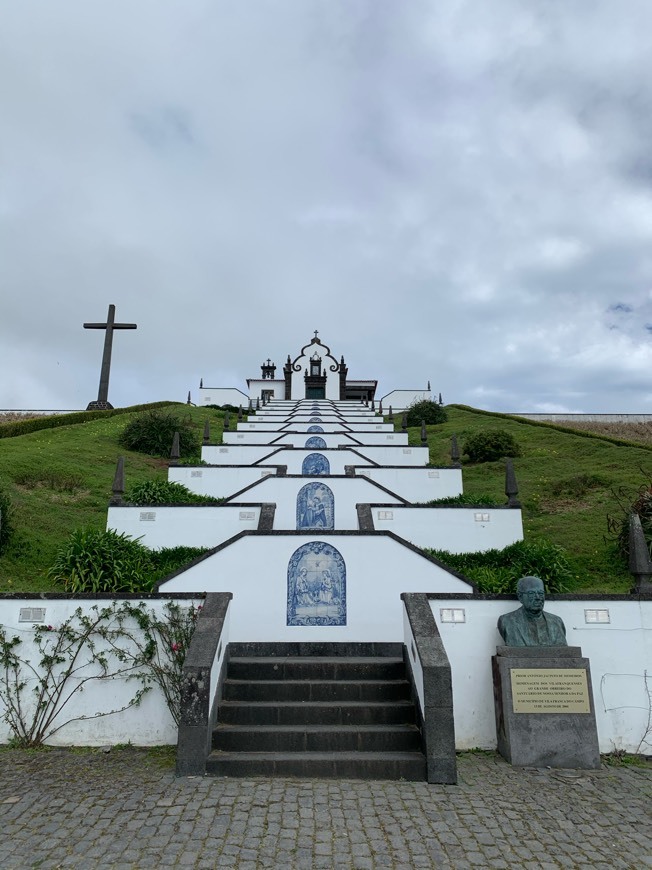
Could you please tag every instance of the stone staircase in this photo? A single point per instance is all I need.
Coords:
(317, 710)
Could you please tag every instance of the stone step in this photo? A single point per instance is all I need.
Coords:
(316, 668)
(315, 648)
(317, 738)
(316, 712)
(315, 690)
(409, 766)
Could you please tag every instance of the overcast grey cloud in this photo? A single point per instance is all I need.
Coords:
(452, 191)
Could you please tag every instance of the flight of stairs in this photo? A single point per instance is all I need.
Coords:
(317, 710)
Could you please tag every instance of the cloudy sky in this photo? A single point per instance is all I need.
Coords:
(454, 191)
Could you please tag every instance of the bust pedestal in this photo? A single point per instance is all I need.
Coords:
(544, 707)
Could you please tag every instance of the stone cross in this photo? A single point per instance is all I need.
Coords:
(102, 402)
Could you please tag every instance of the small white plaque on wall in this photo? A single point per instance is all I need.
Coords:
(385, 515)
(407, 450)
(247, 515)
(379, 427)
(196, 472)
(593, 616)
(482, 517)
(390, 437)
(433, 474)
(452, 614)
(147, 516)
(224, 449)
(239, 435)
(31, 614)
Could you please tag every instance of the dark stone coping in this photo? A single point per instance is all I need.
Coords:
(567, 596)
(437, 724)
(63, 596)
(330, 533)
(316, 648)
(474, 507)
(198, 709)
(539, 652)
(158, 507)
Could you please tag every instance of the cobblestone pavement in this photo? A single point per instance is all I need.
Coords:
(125, 809)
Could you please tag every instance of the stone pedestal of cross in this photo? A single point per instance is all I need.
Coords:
(102, 403)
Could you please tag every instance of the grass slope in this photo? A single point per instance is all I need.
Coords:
(60, 479)
(567, 485)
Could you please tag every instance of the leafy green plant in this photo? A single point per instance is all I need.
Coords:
(431, 412)
(96, 561)
(497, 571)
(54, 421)
(465, 498)
(153, 432)
(166, 492)
(488, 445)
(6, 517)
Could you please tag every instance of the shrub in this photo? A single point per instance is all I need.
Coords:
(619, 526)
(466, 499)
(36, 424)
(153, 431)
(498, 571)
(6, 517)
(166, 492)
(490, 444)
(95, 561)
(431, 412)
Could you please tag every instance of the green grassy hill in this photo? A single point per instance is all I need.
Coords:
(60, 479)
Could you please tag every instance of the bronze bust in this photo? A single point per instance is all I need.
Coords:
(529, 625)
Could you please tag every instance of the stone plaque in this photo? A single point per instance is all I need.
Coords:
(550, 690)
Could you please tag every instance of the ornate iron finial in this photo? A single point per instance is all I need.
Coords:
(118, 487)
(227, 422)
(175, 453)
(455, 453)
(404, 422)
(424, 434)
(511, 487)
(640, 564)
(207, 431)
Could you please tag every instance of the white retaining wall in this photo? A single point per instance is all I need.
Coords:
(458, 530)
(237, 454)
(254, 568)
(394, 455)
(216, 481)
(417, 484)
(194, 526)
(402, 399)
(150, 724)
(620, 654)
(397, 439)
(221, 396)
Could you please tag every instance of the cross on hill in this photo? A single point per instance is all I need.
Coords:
(102, 402)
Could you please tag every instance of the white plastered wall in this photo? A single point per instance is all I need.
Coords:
(219, 481)
(254, 568)
(221, 396)
(620, 654)
(194, 526)
(458, 530)
(417, 484)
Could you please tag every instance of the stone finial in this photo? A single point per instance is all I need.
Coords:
(257, 403)
(455, 453)
(240, 414)
(441, 401)
(424, 434)
(175, 453)
(207, 431)
(640, 564)
(428, 386)
(373, 404)
(390, 416)
(380, 408)
(189, 400)
(118, 487)
(227, 422)
(511, 487)
(250, 409)
(201, 383)
(404, 422)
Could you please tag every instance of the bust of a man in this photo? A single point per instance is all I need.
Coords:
(529, 625)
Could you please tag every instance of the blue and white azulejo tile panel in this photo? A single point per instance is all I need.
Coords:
(316, 586)
(315, 464)
(315, 429)
(315, 507)
(315, 443)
